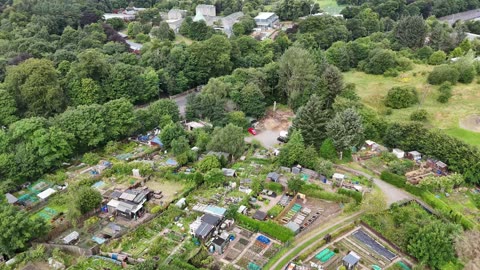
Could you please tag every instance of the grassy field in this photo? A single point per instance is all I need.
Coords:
(330, 6)
(465, 100)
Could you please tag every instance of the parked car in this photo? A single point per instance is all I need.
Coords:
(282, 139)
(252, 131)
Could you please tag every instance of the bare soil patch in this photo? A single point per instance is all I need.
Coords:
(471, 122)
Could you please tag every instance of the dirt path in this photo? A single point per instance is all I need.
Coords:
(471, 122)
(392, 193)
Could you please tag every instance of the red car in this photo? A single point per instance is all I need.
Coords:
(252, 131)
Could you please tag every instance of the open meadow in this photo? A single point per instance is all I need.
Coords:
(465, 100)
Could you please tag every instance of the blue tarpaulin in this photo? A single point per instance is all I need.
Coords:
(263, 239)
(98, 240)
(156, 141)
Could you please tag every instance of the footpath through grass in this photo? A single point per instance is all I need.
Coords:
(330, 6)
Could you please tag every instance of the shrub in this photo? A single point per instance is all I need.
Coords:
(401, 97)
(276, 187)
(437, 58)
(466, 69)
(156, 209)
(404, 64)
(357, 196)
(445, 92)
(91, 158)
(425, 53)
(443, 73)
(391, 73)
(391, 178)
(400, 166)
(419, 115)
(379, 61)
(269, 228)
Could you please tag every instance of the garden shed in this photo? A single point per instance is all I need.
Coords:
(294, 227)
(351, 260)
(273, 176)
(70, 238)
(229, 172)
(46, 193)
(11, 199)
(398, 153)
(260, 215)
(414, 155)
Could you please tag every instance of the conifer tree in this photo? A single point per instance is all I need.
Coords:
(312, 121)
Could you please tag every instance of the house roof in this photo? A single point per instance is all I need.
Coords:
(211, 219)
(352, 258)
(46, 193)
(219, 241)
(441, 164)
(338, 176)
(241, 209)
(264, 15)
(10, 198)
(204, 229)
(199, 17)
(415, 153)
(228, 172)
(274, 176)
(260, 215)
(215, 210)
(71, 237)
(396, 150)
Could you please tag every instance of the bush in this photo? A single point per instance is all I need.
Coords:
(445, 92)
(379, 61)
(400, 166)
(443, 73)
(91, 158)
(425, 53)
(419, 115)
(357, 196)
(391, 73)
(437, 58)
(311, 190)
(391, 178)
(401, 97)
(275, 211)
(275, 187)
(404, 64)
(155, 209)
(269, 228)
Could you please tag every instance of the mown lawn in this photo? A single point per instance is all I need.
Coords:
(465, 100)
(330, 6)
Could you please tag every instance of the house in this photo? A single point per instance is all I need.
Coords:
(176, 14)
(260, 215)
(414, 155)
(398, 153)
(273, 176)
(294, 227)
(206, 10)
(11, 199)
(204, 226)
(138, 196)
(220, 244)
(266, 20)
(70, 238)
(229, 172)
(351, 260)
(229, 21)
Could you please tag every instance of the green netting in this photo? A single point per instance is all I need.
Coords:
(252, 266)
(322, 253)
(39, 186)
(327, 257)
(376, 267)
(296, 207)
(403, 265)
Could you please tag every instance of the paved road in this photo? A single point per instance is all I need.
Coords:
(318, 234)
(181, 103)
(392, 193)
(268, 138)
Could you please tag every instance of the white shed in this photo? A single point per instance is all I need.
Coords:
(73, 236)
(399, 153)
(46, 193)
(338, 176)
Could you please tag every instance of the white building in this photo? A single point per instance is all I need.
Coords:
(266, 19)
(206, 10)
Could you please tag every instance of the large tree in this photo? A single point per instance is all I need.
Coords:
(34, 85)
(229, 139)
(292, 152)
(411, 31)
(345, 129)
(311, 120)
(433, 243)
(8, 108)
(297, 72)
(87, 199)
(17, 228)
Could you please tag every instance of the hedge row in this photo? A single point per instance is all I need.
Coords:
(312, 191)
(269, 228)
(357, 196)
(429, 198)
(276, 187)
